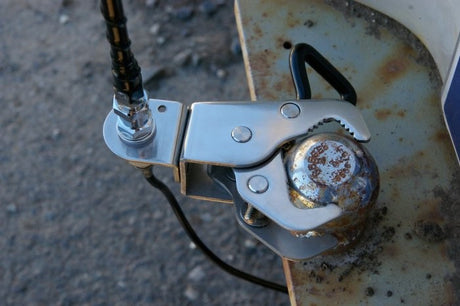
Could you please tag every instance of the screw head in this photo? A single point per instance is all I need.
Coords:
(258, 184)
(290, 110)
(241, 134)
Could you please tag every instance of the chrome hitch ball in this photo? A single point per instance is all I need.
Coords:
(331, 168)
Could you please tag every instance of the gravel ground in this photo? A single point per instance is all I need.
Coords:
(78, 225)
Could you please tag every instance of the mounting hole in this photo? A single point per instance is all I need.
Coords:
(162, 108)
(287, 45)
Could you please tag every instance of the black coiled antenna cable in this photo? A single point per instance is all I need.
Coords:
(127, 78)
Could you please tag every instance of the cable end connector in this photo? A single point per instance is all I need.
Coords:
(135, 123)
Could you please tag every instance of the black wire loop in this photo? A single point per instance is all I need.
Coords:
(155, 182)
(304, 53)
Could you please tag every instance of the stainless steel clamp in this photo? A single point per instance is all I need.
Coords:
(236, 152)
(299, 193)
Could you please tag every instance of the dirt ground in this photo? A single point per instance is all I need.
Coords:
(77, 224)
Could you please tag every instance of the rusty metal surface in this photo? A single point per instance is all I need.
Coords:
(408, 251)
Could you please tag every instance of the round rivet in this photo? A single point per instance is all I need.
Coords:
(290, 110)
(258, 184)
(241, 134)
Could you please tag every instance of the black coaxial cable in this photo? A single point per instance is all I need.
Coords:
(150, 177)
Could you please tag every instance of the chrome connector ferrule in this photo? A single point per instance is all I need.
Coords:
(135, 121)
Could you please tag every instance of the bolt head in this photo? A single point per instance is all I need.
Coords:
(258, 184)
(241, 134)
(290, 110)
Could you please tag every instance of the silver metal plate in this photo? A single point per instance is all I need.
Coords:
(209, 133)
(279, 240)
(164, 147)
(275, 203)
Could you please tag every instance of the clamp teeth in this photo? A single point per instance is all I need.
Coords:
(352, 131)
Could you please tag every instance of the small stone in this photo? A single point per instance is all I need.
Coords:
(192, 246)
(208, 7)
(150, 3)
(63, 19)
(50, 216)
(250, 243)
(154, 29)
(157, 215)
(132, 220)
(55, 134)
(191, 293)
(182, 58)
(184, 13)
(169, 9)
(185, 32)
(11, 208)
(87, 70)
(121, 284)
(196, 59)
(197, 274)
(161, 40)
(66, 3)
(221, 73)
